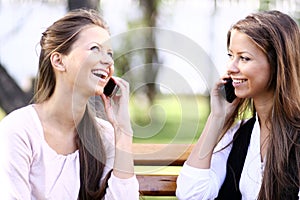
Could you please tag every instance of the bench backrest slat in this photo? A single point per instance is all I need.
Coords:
(159, 155)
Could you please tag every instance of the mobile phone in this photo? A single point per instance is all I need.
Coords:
(110, 88)
(227, 90)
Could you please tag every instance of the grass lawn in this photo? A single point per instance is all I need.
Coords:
(171, 119)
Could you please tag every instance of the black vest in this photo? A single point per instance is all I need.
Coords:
(235, 163)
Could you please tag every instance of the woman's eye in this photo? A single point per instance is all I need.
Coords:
(95, 48)
(243, 58)
(110, 54)
(230, 55)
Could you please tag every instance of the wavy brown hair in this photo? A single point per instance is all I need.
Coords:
(278, 36)
(59, 37)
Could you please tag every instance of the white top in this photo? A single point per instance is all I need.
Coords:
(31, 169)
(194, 183)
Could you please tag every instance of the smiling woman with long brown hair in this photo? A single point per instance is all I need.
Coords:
(256, 157)
(57, 148)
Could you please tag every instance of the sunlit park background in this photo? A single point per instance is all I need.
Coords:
(170, 51)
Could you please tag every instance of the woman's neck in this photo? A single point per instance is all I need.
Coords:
(63, 111)
(263, 108)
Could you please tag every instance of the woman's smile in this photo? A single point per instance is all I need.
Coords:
(237, 82)
(101, 74)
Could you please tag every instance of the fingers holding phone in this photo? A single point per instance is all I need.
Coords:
(115, 84)
(110, 88)
(227, 90)
(116, 101)
(222, 97)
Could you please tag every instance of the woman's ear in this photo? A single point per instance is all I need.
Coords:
(57, 62)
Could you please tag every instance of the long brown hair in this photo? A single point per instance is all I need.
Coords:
(59, 37)
(278, 36)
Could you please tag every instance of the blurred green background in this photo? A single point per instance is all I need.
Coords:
(170, 119)
(2, 114)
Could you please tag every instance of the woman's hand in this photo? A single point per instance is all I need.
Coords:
(219, 106)
(117, 110)
(117, 107)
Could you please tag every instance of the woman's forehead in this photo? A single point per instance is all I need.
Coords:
(93, 34)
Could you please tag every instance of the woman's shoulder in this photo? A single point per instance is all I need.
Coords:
(18, 116)
(20, 121)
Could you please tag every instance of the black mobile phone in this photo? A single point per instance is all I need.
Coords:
(227, 90)
(110, 88)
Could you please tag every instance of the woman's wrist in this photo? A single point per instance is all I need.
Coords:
(123, 128)
(123, 139)
(217, 118)
(123, 166)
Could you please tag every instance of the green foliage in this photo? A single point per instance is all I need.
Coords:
(2, 114)
(171, 119)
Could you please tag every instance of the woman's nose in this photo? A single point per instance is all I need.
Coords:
(107, 59)
(232, 67)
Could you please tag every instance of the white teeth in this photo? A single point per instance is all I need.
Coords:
(237, 81)
(100, 73)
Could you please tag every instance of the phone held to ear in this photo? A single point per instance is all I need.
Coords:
(227, 90)
(110, 88)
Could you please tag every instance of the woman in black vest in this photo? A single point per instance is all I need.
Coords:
(249, 149)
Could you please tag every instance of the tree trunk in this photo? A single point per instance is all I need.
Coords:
(90, 4)
(150, 15)
(11, 95)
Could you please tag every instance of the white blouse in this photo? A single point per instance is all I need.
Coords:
(195, 184)
(31, 169)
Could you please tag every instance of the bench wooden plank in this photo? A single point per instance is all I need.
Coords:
(157, 185)
(161, 154)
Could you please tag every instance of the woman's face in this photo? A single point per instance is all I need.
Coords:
(89, 64)
(248, 67)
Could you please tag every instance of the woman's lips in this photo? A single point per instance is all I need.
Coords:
(100, 73)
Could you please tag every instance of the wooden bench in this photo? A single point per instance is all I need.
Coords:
(159, 155)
